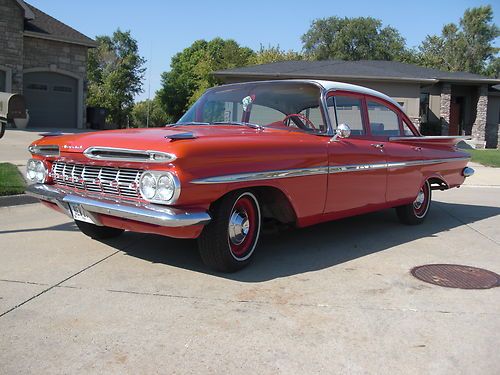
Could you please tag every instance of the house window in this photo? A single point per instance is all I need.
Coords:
(37, 86)
(3, 80)
(62, 89)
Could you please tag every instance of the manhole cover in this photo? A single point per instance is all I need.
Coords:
(456, 276)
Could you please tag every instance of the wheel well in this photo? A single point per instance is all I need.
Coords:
(438, 183)
(274, 204)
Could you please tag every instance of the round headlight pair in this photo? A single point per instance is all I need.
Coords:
(158, 187)
(36, 171)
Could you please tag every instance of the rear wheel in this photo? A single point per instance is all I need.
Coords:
(228, 242)
(415, 212)
(98, 232)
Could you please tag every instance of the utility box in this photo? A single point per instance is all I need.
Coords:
(96, 117)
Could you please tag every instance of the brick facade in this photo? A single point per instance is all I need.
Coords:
(444, 110)
(11, 41)
(479, 126)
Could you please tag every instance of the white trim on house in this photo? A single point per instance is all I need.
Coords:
(33, 34)
(8, 78)
(79, 79)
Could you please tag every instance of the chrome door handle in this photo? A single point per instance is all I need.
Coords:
(417, 148)
(377, 145)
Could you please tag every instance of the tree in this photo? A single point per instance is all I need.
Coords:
(464, 47)
(115, 75)
(273, 54)
(361, 38)
(192, 72)
(157, 115)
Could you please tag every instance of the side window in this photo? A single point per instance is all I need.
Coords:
(314, 114)
(383, 121)
(214, 111)
(349, 113)
(407, 130)
(260, 114)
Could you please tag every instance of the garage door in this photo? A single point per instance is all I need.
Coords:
(51, 99)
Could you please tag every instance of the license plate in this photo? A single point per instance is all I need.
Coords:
(79, 213)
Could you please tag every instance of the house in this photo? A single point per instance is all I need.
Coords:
(46, 61)
(444, 103)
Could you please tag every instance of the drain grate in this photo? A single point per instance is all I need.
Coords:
(456, 276)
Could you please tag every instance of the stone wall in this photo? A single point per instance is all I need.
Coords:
(444, 110)
(42, 53)
(11, 41)
(479, 126)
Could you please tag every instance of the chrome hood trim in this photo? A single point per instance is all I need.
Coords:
(44, 150)
(125, 154)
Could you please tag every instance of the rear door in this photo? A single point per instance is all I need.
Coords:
(357, 165)
(403, 167)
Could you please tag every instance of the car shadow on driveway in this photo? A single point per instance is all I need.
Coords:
(298, 251)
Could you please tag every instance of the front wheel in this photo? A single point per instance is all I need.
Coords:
(415, 212)
(98, 232)
(228, 242)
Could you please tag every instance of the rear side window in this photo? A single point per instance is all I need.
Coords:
(383, 121)
(348, 111)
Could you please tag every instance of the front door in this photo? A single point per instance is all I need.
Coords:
(357, 165)
(454, 128)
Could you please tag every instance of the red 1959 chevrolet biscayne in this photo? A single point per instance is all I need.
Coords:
(298, 151)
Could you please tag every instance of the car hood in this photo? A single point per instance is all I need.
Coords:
(159, 139)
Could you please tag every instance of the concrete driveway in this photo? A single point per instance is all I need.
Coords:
(334, 298)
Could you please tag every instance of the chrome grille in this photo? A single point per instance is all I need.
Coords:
(121, 182)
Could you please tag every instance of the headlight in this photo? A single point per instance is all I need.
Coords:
(159, 187)
(147, 186)
(36, 171)
(165, 188)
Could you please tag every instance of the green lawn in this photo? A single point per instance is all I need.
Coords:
(11, 181)
(491, 158)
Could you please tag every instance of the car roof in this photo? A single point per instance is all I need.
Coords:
(330, 85)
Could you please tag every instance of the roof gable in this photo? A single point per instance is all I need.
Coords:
(46, 27)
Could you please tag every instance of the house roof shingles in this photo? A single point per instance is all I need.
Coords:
(51, 28)
(363, 69)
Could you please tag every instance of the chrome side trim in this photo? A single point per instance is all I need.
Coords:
(412, 163)
(145, 213)
(355, 167)
(256, 176)
(430, 137)
(125, 154)
(267, 175)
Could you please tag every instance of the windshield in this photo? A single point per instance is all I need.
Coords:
(287, 105)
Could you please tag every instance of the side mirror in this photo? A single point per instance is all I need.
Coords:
(343, 131)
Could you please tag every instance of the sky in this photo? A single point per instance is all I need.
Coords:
(163, 28)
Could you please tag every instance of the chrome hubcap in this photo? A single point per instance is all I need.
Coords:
(420, 199)
(239, 226)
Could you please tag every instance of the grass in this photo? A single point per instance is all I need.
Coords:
(490, 158)
(11, 181)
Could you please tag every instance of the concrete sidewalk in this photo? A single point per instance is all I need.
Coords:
(335, 298)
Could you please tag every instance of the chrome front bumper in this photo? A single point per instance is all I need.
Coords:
(144, 213)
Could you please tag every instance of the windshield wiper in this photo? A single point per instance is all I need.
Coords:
(191, 123)
(249, 124)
